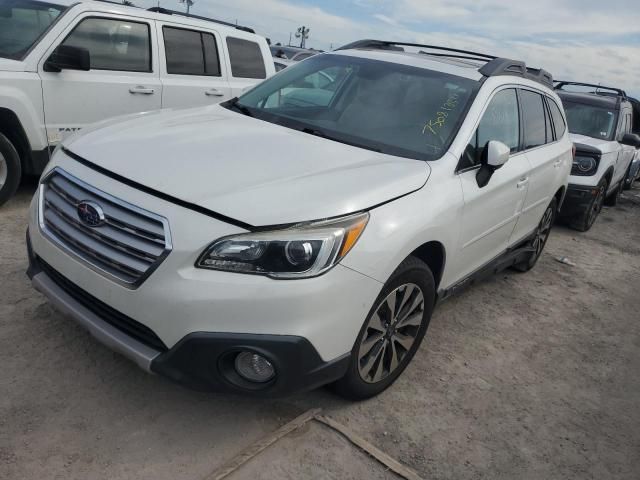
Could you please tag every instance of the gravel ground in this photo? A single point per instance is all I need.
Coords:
(523, 376)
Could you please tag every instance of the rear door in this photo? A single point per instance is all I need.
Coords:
(548, 158)
(491, 212)
(123, 78)
(193, 66)
(628, 152)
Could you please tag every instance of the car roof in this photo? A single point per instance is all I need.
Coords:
(163, 15)
(590, 98)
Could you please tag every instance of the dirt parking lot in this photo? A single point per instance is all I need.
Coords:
(532, 376)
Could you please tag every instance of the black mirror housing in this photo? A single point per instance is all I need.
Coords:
(67, 57)
(631, 139)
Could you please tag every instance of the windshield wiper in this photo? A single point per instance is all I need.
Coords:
(323, 134)
(233, 103)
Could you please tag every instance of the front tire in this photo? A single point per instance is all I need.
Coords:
(392, 332)
(540, 238)
(584, 221)
(10, 169)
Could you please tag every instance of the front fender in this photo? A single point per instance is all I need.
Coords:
(21, 93)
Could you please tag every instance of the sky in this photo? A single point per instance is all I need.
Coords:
(593, 41)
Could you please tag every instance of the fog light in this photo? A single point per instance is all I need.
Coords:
(254, 367)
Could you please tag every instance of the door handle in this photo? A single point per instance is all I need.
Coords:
(557, 163)
(522, 183)
(214, 93)
(141, 90)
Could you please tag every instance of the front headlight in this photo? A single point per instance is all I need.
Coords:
(583, 165)
(302, 251)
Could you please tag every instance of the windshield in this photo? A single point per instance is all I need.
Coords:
(22, 23)
(387, 107)
(590, 120)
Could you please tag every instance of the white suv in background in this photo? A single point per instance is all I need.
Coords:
(601, 125)
(66, 64)
(308, 227)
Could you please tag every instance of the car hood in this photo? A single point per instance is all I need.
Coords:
(247, 169)
(604, 146)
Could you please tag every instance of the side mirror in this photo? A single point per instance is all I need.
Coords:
(494, 156)
(67, 57)
(631, 139)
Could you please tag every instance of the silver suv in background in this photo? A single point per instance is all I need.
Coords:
(600, 122)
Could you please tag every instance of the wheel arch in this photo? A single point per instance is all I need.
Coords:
(11, 127)
(432, 253)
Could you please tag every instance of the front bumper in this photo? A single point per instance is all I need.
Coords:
(577, 200)
(201, 360)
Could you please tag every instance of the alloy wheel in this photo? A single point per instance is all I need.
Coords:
(542, 234)
(4, 170)
(390, 333)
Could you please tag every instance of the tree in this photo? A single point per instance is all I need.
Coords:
(188, 3)
(303, 34)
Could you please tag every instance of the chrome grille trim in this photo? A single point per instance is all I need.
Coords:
(126, 249)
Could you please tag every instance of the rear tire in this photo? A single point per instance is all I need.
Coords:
(10, 169)
(392, 332)
(585, 220)
(540, 238)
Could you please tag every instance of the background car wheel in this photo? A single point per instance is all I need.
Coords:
(585, 221)
(612, 200)
(628, 181)
(10, 169)
(392, 332)
(540, 237)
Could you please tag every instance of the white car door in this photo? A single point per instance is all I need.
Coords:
(193, 66)
(628, 151)
(123, 77)
(547, 157)
(491, 212)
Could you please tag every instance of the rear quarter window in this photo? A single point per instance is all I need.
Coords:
(558, 119)
(246, 58)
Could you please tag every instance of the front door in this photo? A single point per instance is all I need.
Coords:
(123, 77)
(491, 212)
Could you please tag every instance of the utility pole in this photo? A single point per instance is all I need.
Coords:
(188, 3)
(303, 34)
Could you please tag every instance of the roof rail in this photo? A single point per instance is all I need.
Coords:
(563, 83)
(397, 46)
(167, 11)
(494, 66)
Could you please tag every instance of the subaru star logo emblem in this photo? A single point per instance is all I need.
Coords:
(91, 214)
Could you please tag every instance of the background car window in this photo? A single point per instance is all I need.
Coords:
(558, 120)
(534, 120)
(190, 53)
(500, 122)
(113, 44)
(246, 59)
(22, 25)
(590, 120)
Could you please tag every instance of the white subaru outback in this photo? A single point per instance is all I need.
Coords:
(301, 234)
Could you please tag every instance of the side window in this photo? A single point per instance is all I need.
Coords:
(114, 44)
(190, 53)
(246, 58)
(535, 133)
(499, 122)
(548, 124)
(558, 120)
